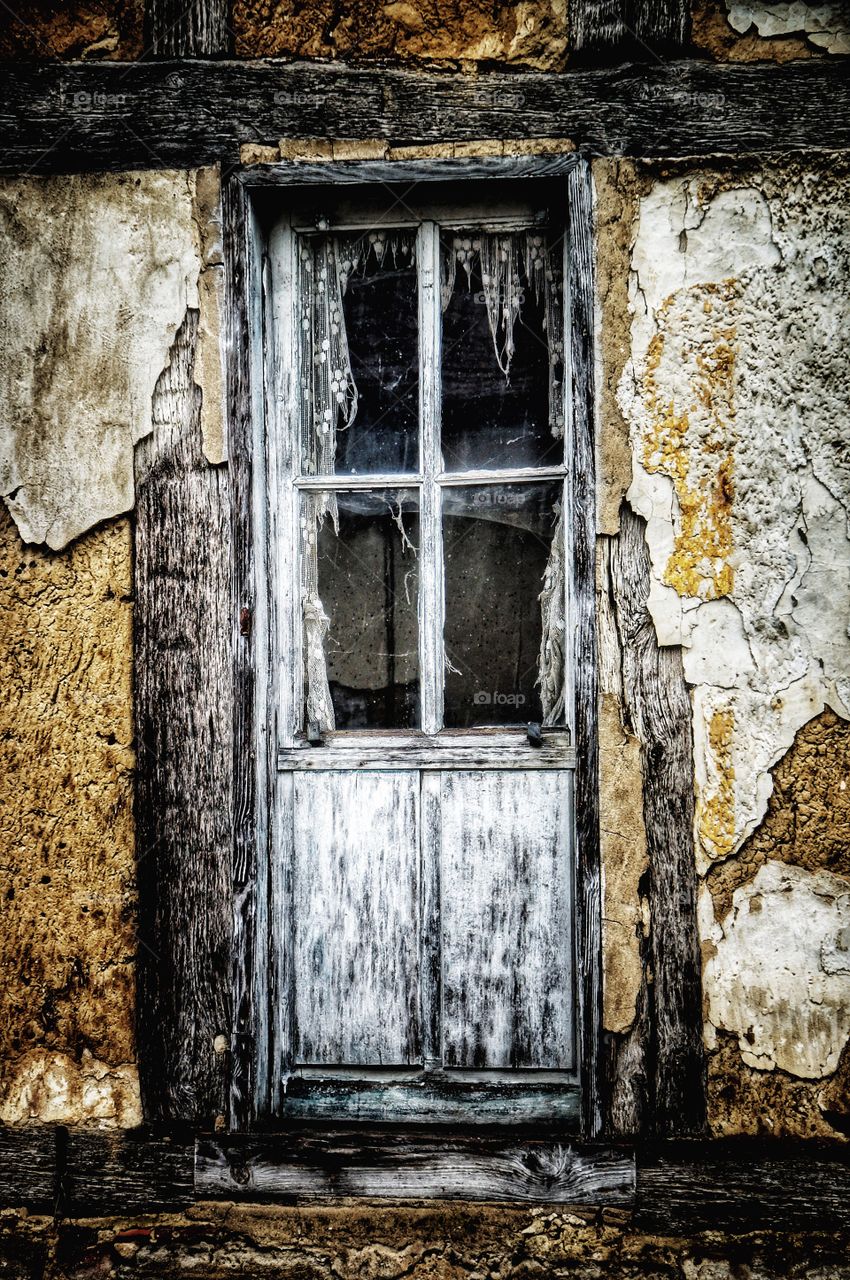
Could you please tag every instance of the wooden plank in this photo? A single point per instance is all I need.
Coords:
(435, 756)
(132, 1171)
(658, 704)
(330, 1166)
(242, 893)
(357, 927)
(507, 907)
(28, 1167)
(432, 605)
(109, 116)
(742, 1185)
(435, 1099)
(431, 963)
(182, 707)
(580, 506)
(633, 28)
(193, 29)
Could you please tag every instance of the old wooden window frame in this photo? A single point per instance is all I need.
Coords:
(254, 583)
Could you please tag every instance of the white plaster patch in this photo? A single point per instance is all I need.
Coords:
(98, 274)
(780, 975)
(738, 398)
(825, 25)
(54, 1088)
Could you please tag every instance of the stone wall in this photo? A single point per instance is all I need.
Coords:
(391, 1242)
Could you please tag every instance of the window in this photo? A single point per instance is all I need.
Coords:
(420, 917)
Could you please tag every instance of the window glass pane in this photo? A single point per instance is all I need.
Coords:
(503, 547)
(360, 353)
(360, 602)
(503, 349)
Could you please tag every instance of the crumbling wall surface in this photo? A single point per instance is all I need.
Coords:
(98, 274)
(756, 32)
(86, 29)
(446, 1241)
(737, 397)
(531, 33)
(826, 26)
(66, 831)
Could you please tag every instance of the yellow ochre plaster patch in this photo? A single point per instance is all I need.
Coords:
(716, 804)
(692, 444)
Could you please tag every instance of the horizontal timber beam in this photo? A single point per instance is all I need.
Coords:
(322, 1166)
(111, 116)
(734, 1185)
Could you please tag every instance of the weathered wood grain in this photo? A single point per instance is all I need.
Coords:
(668, 1040)
(29, 1167)
(507, 910)
(183, 743)
(437, 1098)
(108, 116)
(356, 918)
(433, 754)
(742, 1185)
(246, 1027)
(193, 29)
(581, 523)
(307, 1167)
(137, 1171)
(634, 28)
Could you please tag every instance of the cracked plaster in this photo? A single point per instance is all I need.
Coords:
(779, 972)
(737, 398)
(827, 26)
(99, 273)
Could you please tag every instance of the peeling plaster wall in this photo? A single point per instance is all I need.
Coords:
(532, 33)
(98, 274)
(827, 26)
(67, 942)
(737, 397)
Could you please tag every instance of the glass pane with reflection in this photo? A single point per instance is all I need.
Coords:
(503, 351)
(362, 584)
(503, 548)
(360, 353)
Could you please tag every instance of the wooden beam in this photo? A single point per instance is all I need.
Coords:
(662, 1066)
(125, 1172)
(581, 523)
(248, 1032)
(639, 28)
(112, 116)
(28, 1167)
(183, 803)
(742, 1185)
(328, 1166)
(188, 28)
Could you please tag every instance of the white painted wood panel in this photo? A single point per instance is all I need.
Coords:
(506, 907)
(356, 926)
